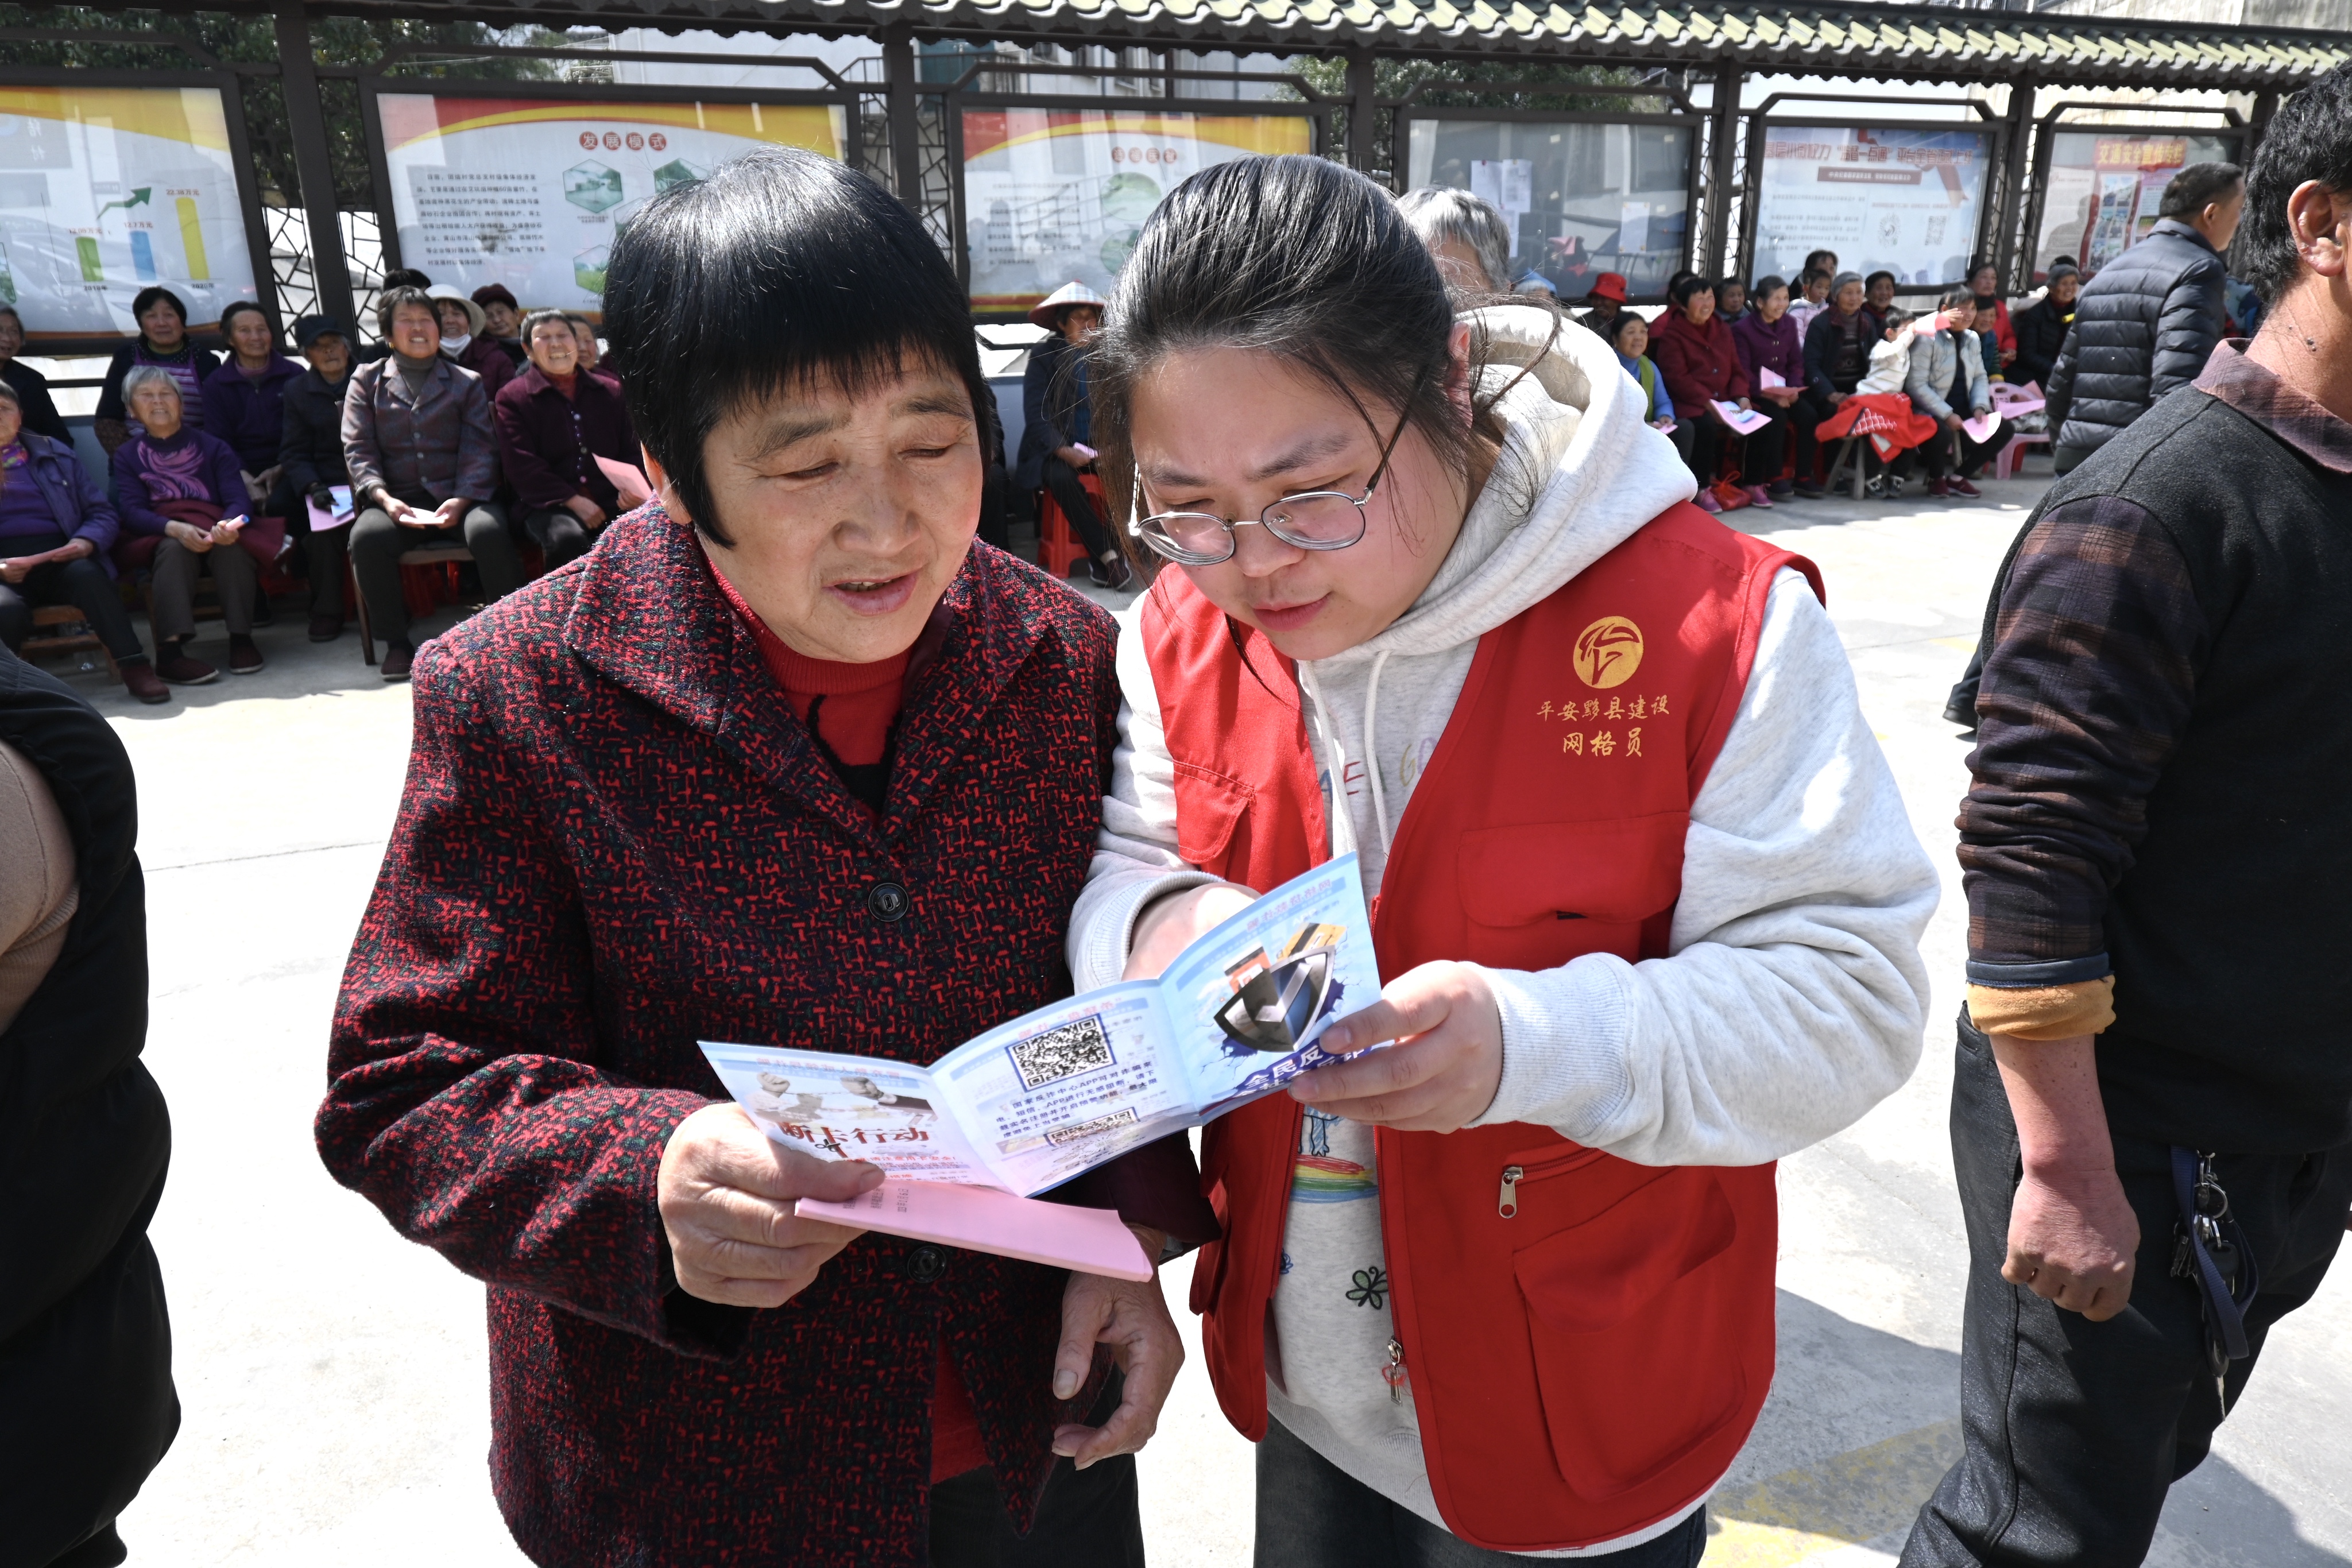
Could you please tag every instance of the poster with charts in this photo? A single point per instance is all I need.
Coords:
(531, 193)
(2103, 188)
(1903, 201)
(1053, 196)
(108, 191)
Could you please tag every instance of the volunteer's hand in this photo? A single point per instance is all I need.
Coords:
(726, 1193)
(1131, 1317)
(1168, 925)
(1443, 1070)
(2073, 1236)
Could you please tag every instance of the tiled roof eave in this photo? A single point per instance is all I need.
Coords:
(1824, 38)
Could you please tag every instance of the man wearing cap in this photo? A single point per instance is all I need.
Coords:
(465, 337)
(1603, 301)
(503, 321)
(1055, 423)
(311, 462)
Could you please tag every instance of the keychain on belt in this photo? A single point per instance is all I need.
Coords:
(2208, 1247)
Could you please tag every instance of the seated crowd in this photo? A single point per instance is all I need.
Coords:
(468, 430)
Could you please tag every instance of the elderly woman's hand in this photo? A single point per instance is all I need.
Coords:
(726, 1194)
(195, 538)
(1131, 1317)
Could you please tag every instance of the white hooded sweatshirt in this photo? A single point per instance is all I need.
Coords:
(1793, 997)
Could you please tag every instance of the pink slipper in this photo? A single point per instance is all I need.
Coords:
(1759, 497)
(1706, 502)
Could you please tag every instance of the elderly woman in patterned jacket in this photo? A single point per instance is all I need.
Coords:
(788, 759)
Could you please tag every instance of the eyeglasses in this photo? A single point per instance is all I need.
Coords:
(1312, 520)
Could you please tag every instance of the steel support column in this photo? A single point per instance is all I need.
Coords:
(1363, 110)
(306, 120)
(906, 135)
(1713, 235)
(2012, 255)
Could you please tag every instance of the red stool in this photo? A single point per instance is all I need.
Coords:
(1057, 548)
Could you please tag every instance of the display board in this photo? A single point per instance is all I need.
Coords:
(1053, 196)
(531, 193)
(1581, 198)
(1904, 201)
(2102, 189)
(106, 190)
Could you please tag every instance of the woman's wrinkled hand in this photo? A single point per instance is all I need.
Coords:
(1442, 1071)
(726, 1196)
(195, 538)
(1131, 1317)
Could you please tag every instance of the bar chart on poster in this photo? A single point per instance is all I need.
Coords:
(1055, 197)
(108, 191)
(531, 193)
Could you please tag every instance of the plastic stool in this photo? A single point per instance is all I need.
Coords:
(2005, 461)
(1057, 546)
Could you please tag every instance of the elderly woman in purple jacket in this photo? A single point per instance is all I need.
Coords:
(245, 401)
(185, 511)
(1767, 340)
(55, 526)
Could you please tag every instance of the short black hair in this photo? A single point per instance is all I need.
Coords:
(1617, 326)
(406, 277)
(390, 301)
(2310, 138)
(1955, 298)
(1766, 285)
(154, 294)
(237, 308)
(1871, 281)
(2199, 186)
(1687, 285)
(532, 322)
(781, 270)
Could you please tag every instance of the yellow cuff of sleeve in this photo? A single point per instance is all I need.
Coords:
(2044, 1012)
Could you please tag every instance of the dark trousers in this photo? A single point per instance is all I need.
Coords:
(1087, 1519)
(83, 584)
(559, 533)
(1313, 1514)
(1702, 448)
(2074, 1430)
(172, 588)
(377, 543)
(1767, 450)
(1062, 480)
(323, 555)
(1936, 451)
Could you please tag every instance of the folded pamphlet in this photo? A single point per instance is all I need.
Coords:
(629, 480)
(335, 515)
(1979, 429)
(1049, 1097)
(1767, 377)
(1746, 421)
(1091, 1240)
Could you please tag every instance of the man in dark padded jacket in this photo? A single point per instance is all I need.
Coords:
(2148, 322)
(85, 1401)
(2152, 1104)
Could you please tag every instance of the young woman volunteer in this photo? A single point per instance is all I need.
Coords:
(1648, 902)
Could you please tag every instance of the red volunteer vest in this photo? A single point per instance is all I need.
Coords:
(1587, 1340)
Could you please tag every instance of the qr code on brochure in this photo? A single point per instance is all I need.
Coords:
(1063, 1051)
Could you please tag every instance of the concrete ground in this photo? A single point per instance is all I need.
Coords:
(334, 1375)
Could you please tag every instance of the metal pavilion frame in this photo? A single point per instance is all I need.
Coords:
(907, 131)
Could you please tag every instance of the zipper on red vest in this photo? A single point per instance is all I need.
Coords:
(1506, 1201)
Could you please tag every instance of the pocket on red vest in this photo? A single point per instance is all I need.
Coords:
(1638, 1331)
(1209, 807)
(1540, 893)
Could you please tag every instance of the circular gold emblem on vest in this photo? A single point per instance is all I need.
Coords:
(1607, 651)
